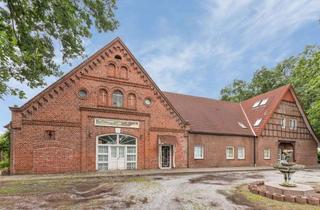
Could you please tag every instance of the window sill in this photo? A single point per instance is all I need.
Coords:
(229, 158)
(198, 158)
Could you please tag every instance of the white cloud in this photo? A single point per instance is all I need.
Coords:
(228, 33)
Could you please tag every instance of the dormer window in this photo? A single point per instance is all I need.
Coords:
(256, 104)
(257, 123)
(264, 101)
(242, 125)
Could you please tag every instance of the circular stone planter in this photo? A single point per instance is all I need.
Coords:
(302, 194)
(298, 190)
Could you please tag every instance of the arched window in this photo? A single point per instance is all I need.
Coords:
(123, 72)
(103, 97)
(131, 101)
(111, 70)
(117, 98)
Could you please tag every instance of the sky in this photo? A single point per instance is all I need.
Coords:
(198, 47)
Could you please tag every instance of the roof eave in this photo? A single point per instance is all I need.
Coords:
(220, 133)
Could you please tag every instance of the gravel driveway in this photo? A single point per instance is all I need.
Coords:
(201, 191)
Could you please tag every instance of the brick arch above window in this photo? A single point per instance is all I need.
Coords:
(111, 69)
(132, 101)
(123, 72)
(117, 97)
(103, 97)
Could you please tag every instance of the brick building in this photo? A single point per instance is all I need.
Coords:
(108, 114)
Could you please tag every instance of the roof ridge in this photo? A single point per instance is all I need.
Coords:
(275, 89)
(201, 97)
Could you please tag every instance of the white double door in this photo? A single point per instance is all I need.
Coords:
(117, 157)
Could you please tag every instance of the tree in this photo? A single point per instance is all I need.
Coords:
(30, 30)
(266, 79)
(4, 149)
(306, 80)
(302, 71)
(238, 91)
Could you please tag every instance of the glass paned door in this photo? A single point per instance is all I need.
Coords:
(116, 152)
(121, 157)
(166, 156)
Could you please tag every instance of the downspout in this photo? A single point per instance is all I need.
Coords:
(188, 152)
(187, 135)
(254, 151)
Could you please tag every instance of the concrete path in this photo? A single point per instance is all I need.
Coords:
(147, 172)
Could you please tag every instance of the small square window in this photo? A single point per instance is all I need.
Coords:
(50, 135)
(267, 154)
(229, 152)
(241, 153)
(198, 152)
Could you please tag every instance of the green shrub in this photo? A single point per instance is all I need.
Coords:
(4, 164)
(5, 150)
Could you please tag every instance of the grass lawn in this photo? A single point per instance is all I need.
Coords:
(241, 195)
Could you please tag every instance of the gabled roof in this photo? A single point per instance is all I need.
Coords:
(207, 115)
(88, 65)
(263, 112)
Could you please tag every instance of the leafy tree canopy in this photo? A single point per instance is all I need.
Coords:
(5, 142)
(302, 71)
(29, 29)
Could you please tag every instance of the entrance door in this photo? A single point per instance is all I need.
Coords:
(116, 152)
(166, 156)
(117, 158)
(121, 158)
(288, 147)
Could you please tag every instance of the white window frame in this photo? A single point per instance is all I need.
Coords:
(117, 143)
(242, 125)
(283, 122)
(267, 154)
(244, 153)
(264, 101)
(227, 154)
(256, 104)
(257, 123)
(279, 154)
(293, 124)
(196, 157)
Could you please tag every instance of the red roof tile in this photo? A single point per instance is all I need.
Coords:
(264, 112)
(209, 115)
(221, 117)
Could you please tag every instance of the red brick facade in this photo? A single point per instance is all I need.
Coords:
(56, 132)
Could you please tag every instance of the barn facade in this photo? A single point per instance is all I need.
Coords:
(108, 114)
